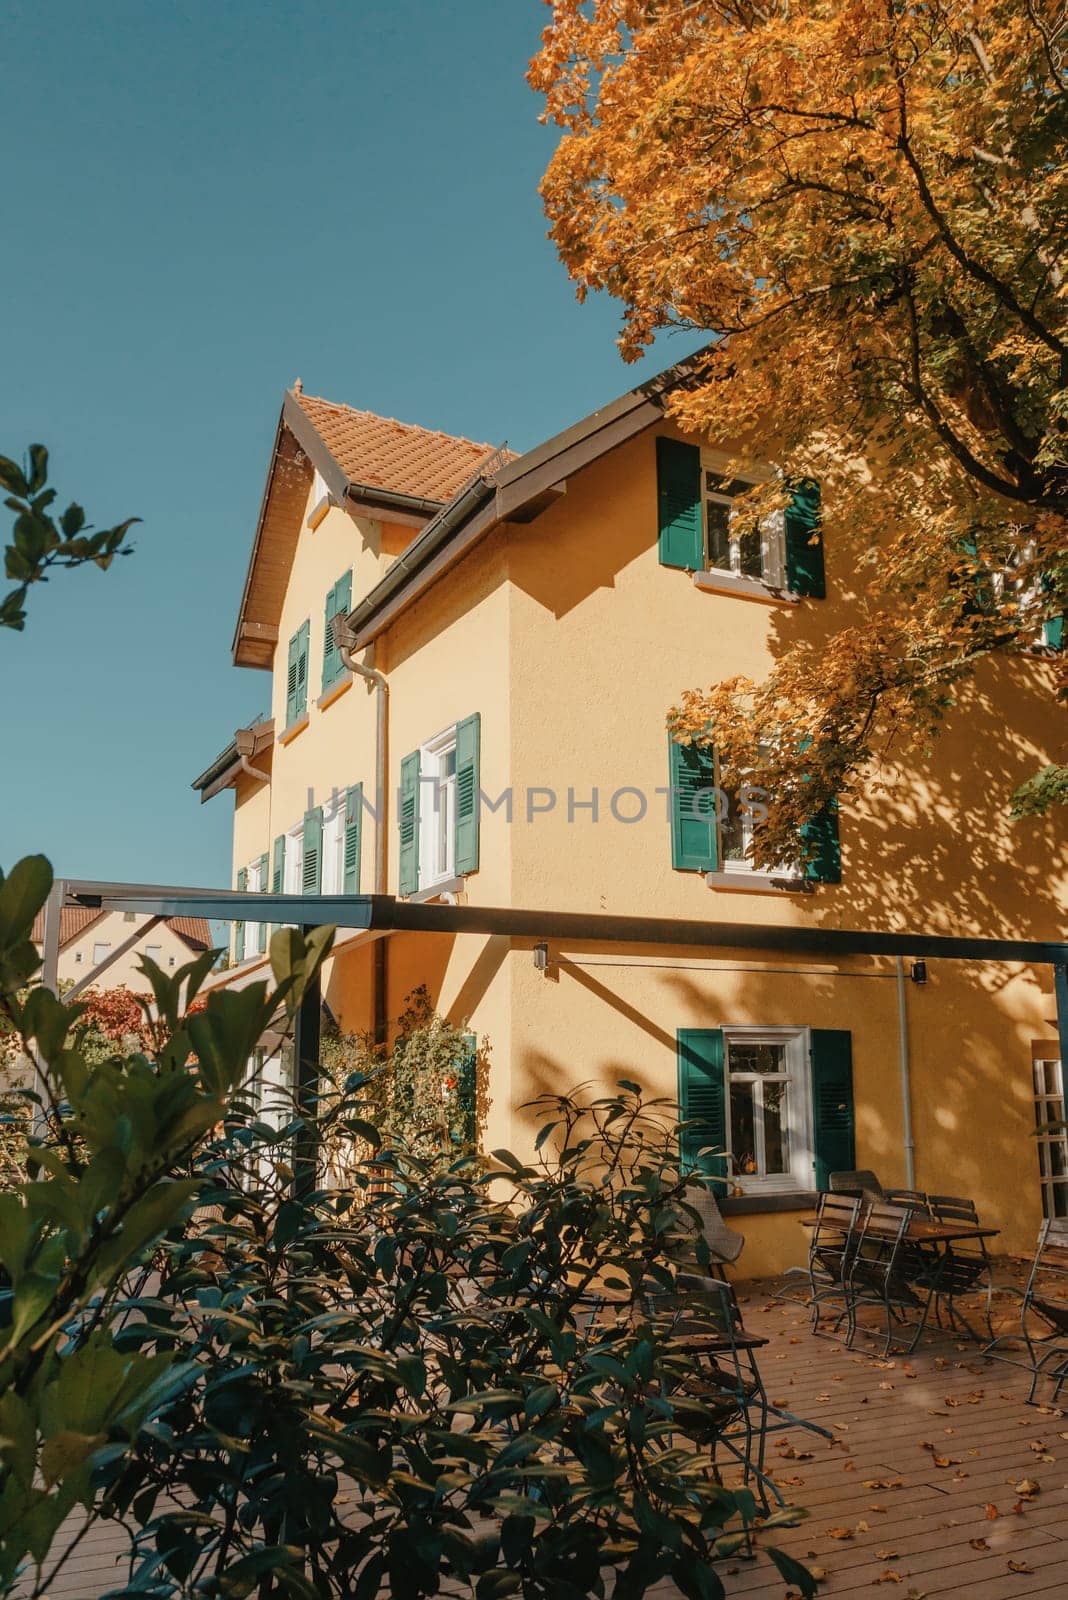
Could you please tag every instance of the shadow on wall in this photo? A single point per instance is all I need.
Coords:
(969, 1033)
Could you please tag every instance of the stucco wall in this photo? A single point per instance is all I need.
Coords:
(113, 930)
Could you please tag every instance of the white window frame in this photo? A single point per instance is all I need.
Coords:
(252, 929)
(1052, 1145)
(293, 864)
(437, 810)
(772, 529)
(789, 872)
(798, 1126)
(333, 864)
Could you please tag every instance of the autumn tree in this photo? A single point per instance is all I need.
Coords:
(866, 208)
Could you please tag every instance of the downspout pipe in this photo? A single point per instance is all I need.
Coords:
(245, 744)
(906, 1090)
(345, 640)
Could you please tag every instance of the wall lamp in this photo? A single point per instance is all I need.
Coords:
(541, 957)
(918, 974)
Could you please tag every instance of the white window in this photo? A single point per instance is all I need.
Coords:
(154, 952)
(1052, 1139)
(769, 1123)
(437, 809)
(293, 870)
(741, 808)
(737, 541)
(333, 879)
(252, 929)
(100, 953)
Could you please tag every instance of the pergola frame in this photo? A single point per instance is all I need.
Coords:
(378, 914)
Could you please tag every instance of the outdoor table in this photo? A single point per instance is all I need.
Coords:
(939, 1237)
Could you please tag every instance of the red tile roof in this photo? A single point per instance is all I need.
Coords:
(382, 453)
(73, 920)
(194, 931)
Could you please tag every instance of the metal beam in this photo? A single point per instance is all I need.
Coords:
(387, 913)
(306, 1030)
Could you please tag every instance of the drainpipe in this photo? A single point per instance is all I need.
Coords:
(345, 640)
(245, 744)
(906, 1092)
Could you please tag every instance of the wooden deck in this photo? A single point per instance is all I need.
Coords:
(939, 1476)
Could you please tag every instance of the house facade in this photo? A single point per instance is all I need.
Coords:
(88, 938)
(491, 732)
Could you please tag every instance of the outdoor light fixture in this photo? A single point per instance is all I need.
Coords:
(541, 957)
(919, 972)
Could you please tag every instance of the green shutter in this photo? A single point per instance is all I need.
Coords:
(822, 845)
(297, 675)
(692, 770)
(1053, 633)
(832, 1103)
(468, 777)
(278, 869)
(702, 1100)
(312, 871)
(408, 824)
(239, 927)
(353, 837)
(339, 600)
(264, 866)
(291, 680)
(804, 543)
(678, 501)
(467, 1091)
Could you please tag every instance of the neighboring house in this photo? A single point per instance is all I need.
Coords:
(532, 620)
(88, 937)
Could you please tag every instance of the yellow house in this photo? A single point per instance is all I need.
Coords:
(489, 737)
(115, 941)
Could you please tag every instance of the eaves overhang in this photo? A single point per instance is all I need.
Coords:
(226, 767)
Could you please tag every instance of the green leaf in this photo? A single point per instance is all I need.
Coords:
(38, 468)
(22, 894)
(793, 1572)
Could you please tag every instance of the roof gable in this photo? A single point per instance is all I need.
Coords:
(372, 464)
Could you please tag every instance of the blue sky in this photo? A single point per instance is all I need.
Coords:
(204, 201)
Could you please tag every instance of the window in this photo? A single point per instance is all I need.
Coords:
(768, 1121)
(338, 603)
(1052, 1140)
(333, 881)
(740, 542)
(255, 882)
(154, 952)
(297, 675)
(437, 809)
(100, 953)
(293, 872)
(129, 916)
(78, 957)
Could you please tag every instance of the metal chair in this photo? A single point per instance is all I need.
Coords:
(913, 1199)
(712, 1392)
(965, 1267)
(830, 1252)
(724, 1245)
(877, 1275)
(1045, 1297)
(863, 1183)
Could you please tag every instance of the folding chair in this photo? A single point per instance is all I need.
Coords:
(965, 1267)
(1046, 1298)
(830, 1251)
(863, 1183)
(913, 1199)
(877, 1275)
(724, 1245)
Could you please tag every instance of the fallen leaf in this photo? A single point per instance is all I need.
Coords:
(979, 1544)
(888, 1577)
(863, 1527)
(1020, 1566)
(1027, 1488)
(839, 1533)
(992, 1512)
(886, 1555)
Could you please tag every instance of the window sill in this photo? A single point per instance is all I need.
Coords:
(738, 1205)
(334, 692)
(437, 891)
(758, 882)
(287, 735)
(717, 582)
